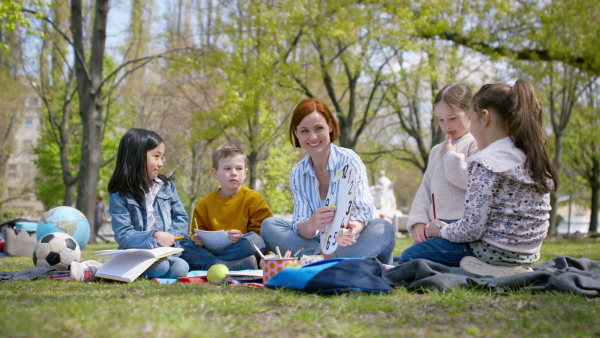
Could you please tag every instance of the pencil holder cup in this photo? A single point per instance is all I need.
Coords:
(272, 266)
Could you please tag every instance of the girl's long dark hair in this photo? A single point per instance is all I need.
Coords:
(130, 173)
(520, 114)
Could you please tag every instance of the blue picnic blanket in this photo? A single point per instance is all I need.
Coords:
(173, 280)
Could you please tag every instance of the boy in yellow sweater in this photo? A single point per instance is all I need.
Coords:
(233, 208)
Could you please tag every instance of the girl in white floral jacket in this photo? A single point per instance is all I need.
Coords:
(507, 203)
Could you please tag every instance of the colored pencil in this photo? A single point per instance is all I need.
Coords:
(257, 249)
(433, 202)
(297, 252)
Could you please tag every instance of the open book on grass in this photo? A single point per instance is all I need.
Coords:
(127, 265)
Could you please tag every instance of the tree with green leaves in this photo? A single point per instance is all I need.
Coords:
(12, 17)
(12, 89)
(557, 30)
(246, 102)
(344, 52)
(565, 88)
(54, 83)
(582, 145)
(11, 115)
(276, 171)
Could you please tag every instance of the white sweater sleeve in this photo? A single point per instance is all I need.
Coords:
(455, 162)
(455, 169)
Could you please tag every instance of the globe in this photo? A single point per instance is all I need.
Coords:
(65, 219)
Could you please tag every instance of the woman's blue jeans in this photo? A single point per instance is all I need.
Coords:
(377, 240)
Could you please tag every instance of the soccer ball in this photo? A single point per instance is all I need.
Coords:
(56, 251)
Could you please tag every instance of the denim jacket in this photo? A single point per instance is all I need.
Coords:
(129, 221)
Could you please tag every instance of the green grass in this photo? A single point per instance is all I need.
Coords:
(51, 308)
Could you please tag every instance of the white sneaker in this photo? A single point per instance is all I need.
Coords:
(480, 268)
(84, 271)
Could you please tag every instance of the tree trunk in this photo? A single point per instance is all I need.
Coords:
(595, 186)
(252, 167)
(558, 144)
(69, 180)
(70, 193)
(345, 138)
(89, 87)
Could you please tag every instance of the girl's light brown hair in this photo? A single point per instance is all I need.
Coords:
(307, 107)
(456, 95)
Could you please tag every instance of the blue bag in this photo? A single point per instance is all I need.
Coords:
(26, 226)
(333, 276)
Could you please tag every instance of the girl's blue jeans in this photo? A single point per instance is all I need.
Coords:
(167, 267)
(438, 250)
(376, 240)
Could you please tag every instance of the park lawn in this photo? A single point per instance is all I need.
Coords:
(48, 308)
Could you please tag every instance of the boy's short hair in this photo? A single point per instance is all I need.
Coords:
(227, 150)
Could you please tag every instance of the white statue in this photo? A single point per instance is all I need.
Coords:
(385, 200)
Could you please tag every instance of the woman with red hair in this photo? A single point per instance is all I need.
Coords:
(314, 129)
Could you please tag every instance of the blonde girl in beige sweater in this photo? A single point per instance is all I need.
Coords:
(446, 174)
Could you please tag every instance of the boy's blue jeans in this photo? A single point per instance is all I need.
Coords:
(438, 250)
(376, 240)
(201, 259)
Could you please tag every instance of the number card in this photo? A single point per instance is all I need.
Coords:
(341, 195)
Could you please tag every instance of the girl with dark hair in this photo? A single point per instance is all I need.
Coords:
(145, 207)
(507, 204)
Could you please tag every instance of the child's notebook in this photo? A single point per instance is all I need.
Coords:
(214, 240)
(127, 265)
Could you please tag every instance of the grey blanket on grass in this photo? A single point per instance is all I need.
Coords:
(28, 274)
(566, 274)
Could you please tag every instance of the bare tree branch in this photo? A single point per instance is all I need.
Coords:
(532, 54)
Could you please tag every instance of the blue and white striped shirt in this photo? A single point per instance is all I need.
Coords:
(305, 187)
